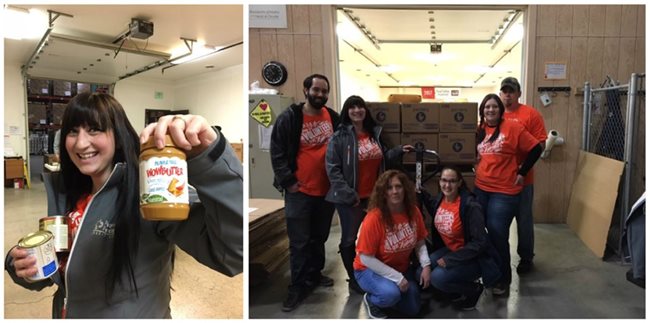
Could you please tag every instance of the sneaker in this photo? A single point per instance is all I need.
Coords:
(468, 303)
(500, 289)
(322, 280)
(292, 301)
(374, 312)
(525, 266)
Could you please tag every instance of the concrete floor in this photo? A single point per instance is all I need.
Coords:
(569, 282)
(198, 292)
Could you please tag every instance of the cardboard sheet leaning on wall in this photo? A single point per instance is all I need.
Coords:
(592, 199)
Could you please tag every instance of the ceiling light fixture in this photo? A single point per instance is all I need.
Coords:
(19, 23)
(366, 32)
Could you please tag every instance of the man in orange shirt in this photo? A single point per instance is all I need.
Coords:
(298, 145)
(532, 120)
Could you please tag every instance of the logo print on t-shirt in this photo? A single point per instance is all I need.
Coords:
(368, 149)
(444, 220)
(316, 133)
(400, 239)
(495, 147)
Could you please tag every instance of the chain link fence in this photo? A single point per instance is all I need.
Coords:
(614, 127)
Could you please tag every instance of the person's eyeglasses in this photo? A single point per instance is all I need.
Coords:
(449, 181)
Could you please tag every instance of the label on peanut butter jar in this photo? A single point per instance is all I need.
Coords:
(163, 180)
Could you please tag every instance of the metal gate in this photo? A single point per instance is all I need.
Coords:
(611, 129)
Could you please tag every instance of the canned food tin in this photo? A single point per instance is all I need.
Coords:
(41, 245)
(58, 226)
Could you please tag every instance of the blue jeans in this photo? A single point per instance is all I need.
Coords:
(308, 226)
(385, 293)
(459, 279)
(350, 218)
(525, 224)
(499, 209)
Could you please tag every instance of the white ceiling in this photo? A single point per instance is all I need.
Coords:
(87, 38)
(404, 34)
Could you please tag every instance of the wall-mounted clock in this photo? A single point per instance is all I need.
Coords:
(274, 73)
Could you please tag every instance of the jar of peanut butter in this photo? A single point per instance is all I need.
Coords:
(163, 182)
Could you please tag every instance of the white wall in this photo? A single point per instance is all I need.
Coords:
(354, 85)
(136, 95)
(14, 109)
(218, 96)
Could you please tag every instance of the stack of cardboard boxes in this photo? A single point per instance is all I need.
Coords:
(448, 128)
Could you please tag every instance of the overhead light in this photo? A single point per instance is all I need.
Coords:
(19, 23)
(390, 68)
(180, 54)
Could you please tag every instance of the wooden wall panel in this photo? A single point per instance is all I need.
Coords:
(596, 21)
(315, 20)
(610, 57)
(595, 41)
(564, 20)
(595, 60)
(300, 47)
(317, 58)
(547, 21)
(300, 15)
(639, 59)
(626, 59)
(640, 21)
(613, 21)
(580, 21)
(254, 59)
(303, 67)
(628, 21)
(287, 56)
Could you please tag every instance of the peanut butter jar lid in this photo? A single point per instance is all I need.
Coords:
(151, 144)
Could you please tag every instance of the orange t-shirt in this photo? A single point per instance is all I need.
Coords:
(498, 166)
(392, 247)
(74, 220)
(532, 120)
(370, 157)
(448, 224)
(316, 133)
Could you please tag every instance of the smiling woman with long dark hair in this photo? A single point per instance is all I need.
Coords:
(119, 265)
(506, 153)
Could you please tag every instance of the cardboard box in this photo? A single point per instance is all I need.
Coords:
(457, 148)
(13, 168)
(83, 87)
(386, 115)
(420, 118)
(238, 148)
(391, 139)
(38, 87)
(62, 88)
(425, 140)
(57, 112)
(37, 113)
(458, 117)
(405, 98)
(469, 178)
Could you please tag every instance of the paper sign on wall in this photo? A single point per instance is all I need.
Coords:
(267, 16)
(555, 71)
(262, 113)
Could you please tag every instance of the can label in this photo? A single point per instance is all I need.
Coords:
(58, 226)
(163, 180)
(42, 248)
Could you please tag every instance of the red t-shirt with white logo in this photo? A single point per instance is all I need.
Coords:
(370, 158)
(316, 133)
(393, 246)
(448, 224)
(532, 120)
(497, 169)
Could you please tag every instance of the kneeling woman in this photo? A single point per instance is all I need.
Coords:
(390, 232)
(463, 252)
